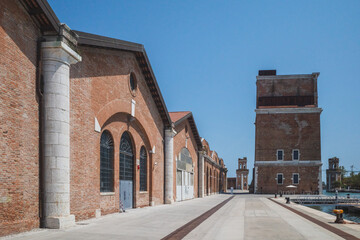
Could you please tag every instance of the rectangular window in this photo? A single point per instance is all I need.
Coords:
(295, 178)
(279, 178)
(295, 154)
(280, 154)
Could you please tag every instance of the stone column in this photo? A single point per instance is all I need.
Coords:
(201, 175)
(242, 182)
(56, 59)
(169, 165)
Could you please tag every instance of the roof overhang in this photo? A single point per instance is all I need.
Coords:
(193, 127)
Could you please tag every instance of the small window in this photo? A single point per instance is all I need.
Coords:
(280, 154)
(133, 84)
(295, 178)
(143, 169)
(295, 154)
(279, 178)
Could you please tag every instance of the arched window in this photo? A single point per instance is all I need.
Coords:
(106, 162)
(126, 158)
(143, 169)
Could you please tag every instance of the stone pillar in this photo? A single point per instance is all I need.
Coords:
(56, 59)
(242, 182)
(169, 165)
(320, 180)
(201, 175)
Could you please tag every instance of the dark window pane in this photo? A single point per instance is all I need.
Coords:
(296, 155)
(126, 158)
(106, 162)
(296, 178)
(143, 169)
(279, 178)
(280, 155)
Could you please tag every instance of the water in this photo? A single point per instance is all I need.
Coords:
(355, 217)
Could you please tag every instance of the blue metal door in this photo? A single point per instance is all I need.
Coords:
(126, 193)
(126, 171)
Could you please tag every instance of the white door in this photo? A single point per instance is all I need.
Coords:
(178, 185)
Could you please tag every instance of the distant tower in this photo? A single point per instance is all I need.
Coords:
(287, 133)
(333, 173)
(242, 174)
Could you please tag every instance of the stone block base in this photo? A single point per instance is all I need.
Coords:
(98, 213)
(60, 222)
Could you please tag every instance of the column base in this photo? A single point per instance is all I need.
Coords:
(60, 222)
(169, 201)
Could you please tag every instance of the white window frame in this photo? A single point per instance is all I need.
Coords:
(293, 178)
(282, 182)
(293, 154)
(283, 155)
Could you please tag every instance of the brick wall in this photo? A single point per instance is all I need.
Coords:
(19, 121)
(100, 88)
(180, 143)
(308, 176)
(287, 132)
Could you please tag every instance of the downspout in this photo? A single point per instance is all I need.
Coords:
(39, 97)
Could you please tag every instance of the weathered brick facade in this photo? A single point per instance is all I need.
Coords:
(100, 89)
(214, 171)
(287, 134)
(89, 84)
(19, 120)
(186, 137)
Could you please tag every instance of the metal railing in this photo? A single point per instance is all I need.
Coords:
(317, 200)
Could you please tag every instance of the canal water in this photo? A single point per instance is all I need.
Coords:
(355, 217)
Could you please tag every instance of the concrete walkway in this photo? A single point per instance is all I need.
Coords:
(244, 217)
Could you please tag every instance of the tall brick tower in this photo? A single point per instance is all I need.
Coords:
(242, 174)
(333, 173)
(287, 141)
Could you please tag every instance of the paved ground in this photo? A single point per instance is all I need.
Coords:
(243, 217)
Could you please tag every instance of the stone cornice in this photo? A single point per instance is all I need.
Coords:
(288, 110)
(289, 163)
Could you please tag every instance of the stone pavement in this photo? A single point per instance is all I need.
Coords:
(244, 217)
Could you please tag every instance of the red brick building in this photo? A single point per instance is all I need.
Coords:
(287, 141)
(85, 129)
(242, 174)
(187, 144)
(215, 172)
(333, 174)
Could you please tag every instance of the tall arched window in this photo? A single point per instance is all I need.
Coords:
(126, 158)
(143, 169)
(106, 162)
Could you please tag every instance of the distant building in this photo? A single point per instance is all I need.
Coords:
(242, 174)
(333, 173)
(287, 141)
(231, 183)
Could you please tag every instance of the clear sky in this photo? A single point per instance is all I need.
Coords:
(206, 55)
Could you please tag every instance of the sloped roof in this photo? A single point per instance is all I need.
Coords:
(179, 117)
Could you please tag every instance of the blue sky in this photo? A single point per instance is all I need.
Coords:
(206, 55)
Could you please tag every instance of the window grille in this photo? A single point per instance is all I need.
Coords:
(106, 162)
(143, 169)
(126, 158)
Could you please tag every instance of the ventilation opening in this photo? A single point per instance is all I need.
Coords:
(267, 72)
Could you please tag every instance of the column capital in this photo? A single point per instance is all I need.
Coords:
(170, 132)
(60, 52)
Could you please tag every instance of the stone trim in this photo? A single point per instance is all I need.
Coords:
(288, 163)
(288, 110)
(107, 193)
(293, 76)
